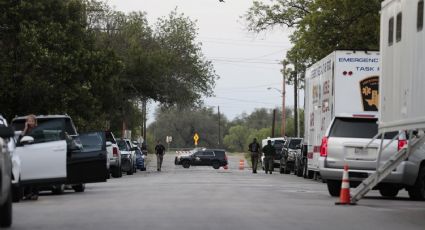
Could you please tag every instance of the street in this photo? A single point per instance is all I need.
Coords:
(204, 198)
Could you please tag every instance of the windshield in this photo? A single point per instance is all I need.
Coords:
(295, 144)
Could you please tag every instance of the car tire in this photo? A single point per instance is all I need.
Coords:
(58, 189)
(116, 172)
(389, 192)
(17, 193)
(130, 172)
(79, 187)
(299, 172)
(186, 164)
(287, 170)
(417, 191)
(6, 211)
(216, 165)
(334, 187)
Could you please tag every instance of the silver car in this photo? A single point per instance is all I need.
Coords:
(343, 144)
(5, 178)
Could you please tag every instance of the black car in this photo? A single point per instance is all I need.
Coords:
(205, 157)
(290, 151)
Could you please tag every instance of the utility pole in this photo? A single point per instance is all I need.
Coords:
(296, 100)
(219, 127)
(273, 122)
(144, 112)
(283, 125)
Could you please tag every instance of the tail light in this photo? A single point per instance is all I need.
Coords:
(115, 151)
(401, 144)
(324, 147)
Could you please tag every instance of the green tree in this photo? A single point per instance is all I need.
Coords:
(182, 123)
(238, 138)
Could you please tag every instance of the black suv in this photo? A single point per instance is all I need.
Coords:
(291, 151)
(204, 157)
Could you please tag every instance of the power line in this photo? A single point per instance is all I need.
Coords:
(244, 101)
(248, 62)
(242, 40)
(242, 44)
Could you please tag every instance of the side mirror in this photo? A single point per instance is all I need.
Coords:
(108, 144)
(27, 140)
(6, 132)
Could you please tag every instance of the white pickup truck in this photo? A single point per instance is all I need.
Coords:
(54, 153)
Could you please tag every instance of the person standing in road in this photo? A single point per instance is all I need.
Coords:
(269, 154)
(159, 151)
(254, 148)
(30, 192)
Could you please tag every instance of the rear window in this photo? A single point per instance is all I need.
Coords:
(219, 154)
(356, 128)
(293, 143)
(110, 137)
(122, 145)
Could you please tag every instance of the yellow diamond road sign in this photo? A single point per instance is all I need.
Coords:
(196, 137)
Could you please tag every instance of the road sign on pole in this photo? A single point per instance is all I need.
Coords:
(196, 138)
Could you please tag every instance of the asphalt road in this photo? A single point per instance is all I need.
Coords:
(204, 198)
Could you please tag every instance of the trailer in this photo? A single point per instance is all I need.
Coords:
(403, 83)
(344, 82)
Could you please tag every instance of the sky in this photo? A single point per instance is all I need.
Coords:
(247, 63)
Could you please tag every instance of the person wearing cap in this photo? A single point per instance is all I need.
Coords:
(269, 154)
(254, 148)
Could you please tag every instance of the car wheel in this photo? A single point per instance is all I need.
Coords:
(334, 187)
(116, 172)
(58, 189)
(299, 171)
(6, 211)
(310, 174)
(390, 192)
(216, 165)
(130, 172)
(417, 191)
(287, 169)
(17, 193)
(79, 187)
(186, 164)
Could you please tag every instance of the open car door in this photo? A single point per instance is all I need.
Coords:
(87, 164)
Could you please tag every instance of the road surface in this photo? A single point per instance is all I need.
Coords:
(204, 198)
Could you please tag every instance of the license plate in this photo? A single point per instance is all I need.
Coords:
(361, 153)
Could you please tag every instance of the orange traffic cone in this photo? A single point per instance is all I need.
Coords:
(241, 164)
(344, 197)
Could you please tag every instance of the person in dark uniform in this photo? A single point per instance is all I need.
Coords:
(269, 154)
(254, 148)
(159, 152)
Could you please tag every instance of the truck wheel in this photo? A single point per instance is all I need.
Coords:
(334, 187)
(390, 192)
(417, 191)
(58, 189)
(186, 164)
(299, 172)
(310, 174)
(79, 187)
(6, 211)
(216, 165)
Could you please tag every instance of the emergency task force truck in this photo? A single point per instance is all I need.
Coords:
(344, 83)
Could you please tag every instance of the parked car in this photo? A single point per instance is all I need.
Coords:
(128, 156)
(291, 150)
(140, 159)
(203, 157)
(59, 155)
(343, 144)
(277, 143)
(16, 164)
(6, 134)
(114, 155)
